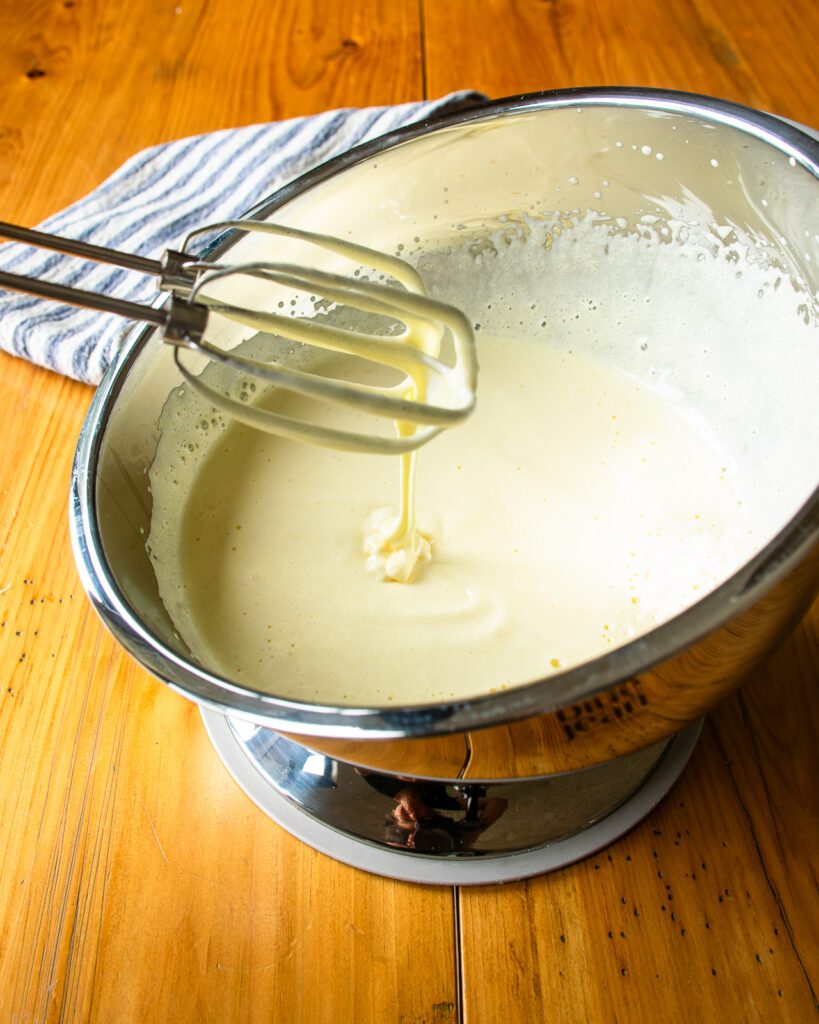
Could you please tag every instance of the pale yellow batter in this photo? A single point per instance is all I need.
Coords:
(637, 436)
(573, 511)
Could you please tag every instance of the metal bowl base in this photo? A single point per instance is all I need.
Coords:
(444, 832)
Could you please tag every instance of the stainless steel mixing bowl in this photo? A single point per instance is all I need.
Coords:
(439, 185)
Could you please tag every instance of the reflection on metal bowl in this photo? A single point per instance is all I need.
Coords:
(688, 170)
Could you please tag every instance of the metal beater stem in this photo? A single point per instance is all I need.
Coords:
(181, 322)
(73, 247)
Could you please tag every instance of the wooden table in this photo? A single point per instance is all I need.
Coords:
(137, 883)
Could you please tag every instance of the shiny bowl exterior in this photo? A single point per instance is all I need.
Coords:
(624, 701)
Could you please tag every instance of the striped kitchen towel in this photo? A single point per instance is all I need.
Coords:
(150, 204)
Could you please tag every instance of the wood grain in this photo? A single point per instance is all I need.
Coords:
(699, 909)
(85, 85)
(769, 745)
(137, 883)
(509, 46)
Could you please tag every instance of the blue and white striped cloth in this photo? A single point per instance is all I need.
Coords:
(150, 204)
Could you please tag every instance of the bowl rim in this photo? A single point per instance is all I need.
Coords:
(541, 696)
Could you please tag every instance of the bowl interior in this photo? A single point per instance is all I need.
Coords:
(698, 236)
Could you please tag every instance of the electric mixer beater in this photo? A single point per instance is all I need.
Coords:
(430, 395)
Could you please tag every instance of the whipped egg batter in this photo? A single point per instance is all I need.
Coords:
(573, 511)
(647, 371)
